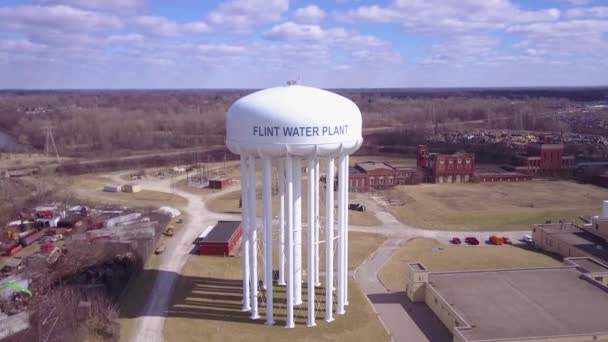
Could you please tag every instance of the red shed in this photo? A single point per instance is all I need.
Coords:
(220, 183)
(222, 239)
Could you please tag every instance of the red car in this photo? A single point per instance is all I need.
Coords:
(455, 241)
(507, 241)
(471, 240)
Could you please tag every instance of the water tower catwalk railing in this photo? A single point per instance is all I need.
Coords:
(289, 235)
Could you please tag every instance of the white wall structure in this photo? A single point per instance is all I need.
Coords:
(289, 129)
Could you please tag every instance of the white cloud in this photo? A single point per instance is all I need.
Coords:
(290, 31)
(161, 26)
(466, 49)
(447, 17)
(589, 12)
(60, 18)
(244, 15)
(131, 38)
(114, 6)
(309, 15)
(21, 46)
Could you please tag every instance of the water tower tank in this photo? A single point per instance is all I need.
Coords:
(295, 120)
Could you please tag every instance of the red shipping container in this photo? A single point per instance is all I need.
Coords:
(14, 250)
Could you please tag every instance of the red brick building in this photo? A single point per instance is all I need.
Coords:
(371, 175)
(545, 158)
(222, 239)
(446, 168)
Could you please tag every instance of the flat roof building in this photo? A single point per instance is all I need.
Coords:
(373, 175)
(567, 303)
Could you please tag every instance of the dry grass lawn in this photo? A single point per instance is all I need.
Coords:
(20, 159)
(229, 203)
(207, 306)
(90, 187)
(438, 257)
(495, 206)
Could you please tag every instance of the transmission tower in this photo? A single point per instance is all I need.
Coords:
(50, 142)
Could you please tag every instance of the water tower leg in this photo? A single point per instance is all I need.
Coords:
(297, 217)
(311, 243)
(253, 243)
(340, 263)
(317, 223)
(281, 180)
(289, 234)
(245, 243)
(268, 241)
(346, 195)
(329, 240)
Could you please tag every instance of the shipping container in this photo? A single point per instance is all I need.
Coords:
(14, 250)
(30, 239)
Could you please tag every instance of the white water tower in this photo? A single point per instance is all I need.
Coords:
(290, 127)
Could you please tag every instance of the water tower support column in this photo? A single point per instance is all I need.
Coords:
(268, 241)
(329, 240)
(281, 181)
(253, 240)
(346, 195)
(289, 234)
(340, 263)
(245, 245)
(297, 226)
(317, 223)
(311, 242)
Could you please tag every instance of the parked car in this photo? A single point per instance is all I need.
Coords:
(160, 249)
(455, 241)
(471, 240)
(497, 240)
(527, 239)
(356, 207)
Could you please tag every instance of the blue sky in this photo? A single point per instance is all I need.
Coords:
(331, 43)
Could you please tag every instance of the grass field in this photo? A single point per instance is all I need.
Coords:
(90, 187)
(20, 159)
(207, 306)
(495, 206)
(229, 203)
(438, 257)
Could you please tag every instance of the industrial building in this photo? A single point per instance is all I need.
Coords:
(222, 239)
(489, 175)
(446, 168)
(373, 175)
(557, 304)
(572, 240)
(546, 158)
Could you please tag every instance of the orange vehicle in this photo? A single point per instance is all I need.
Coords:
(497, 240)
